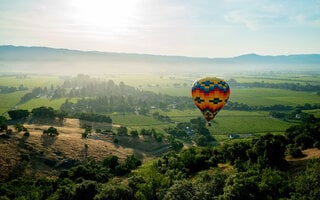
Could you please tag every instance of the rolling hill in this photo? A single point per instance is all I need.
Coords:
(50, 60)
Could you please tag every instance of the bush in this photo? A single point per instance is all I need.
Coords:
(51, 132)
(19, 127)
(27, 134)
(84, 135)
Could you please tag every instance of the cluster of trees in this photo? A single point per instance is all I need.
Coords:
(195, 130)
(160, 117)
(255, 169)
(40, 114)
(122, 130)
(95, 117)
(286, 86)
(258, 171)
(89, 179)
(10, 89)
(140, 101)
(303, 136)
(36, 93)
(277, 107)
(295, 114)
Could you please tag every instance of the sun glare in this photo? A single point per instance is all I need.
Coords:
(104, 13)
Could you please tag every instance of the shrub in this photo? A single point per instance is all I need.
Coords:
(27, 134)
(51, 132)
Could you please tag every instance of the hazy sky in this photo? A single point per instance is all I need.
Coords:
(201, 28)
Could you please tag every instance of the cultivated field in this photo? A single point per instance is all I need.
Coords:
(226, 122)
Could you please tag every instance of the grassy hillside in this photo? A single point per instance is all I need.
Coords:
(45, 154)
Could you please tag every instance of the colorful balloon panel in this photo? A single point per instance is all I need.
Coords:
(210, 94)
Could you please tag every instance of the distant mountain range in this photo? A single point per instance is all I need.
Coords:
(33, 57)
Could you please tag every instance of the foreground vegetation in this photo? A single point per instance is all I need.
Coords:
(252, 169)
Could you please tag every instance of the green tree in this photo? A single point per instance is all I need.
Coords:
(201, 140)
(176, 144)
(122, 130)
(273, 184)
(209, 186)
(132, 162)
(19, 127)
(306, 184)
(181, 190)
(242, 185)
(18, 114)
(3, 124)
(86, 190)
(268, 151)
(51, 131)
(134, 133)
(114, 191)
(111, 162)
(43, 113)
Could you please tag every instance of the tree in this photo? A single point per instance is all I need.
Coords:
(306, 184)
(3, 124)
(114, 191)
(176, 144)
(111, 162)
(134, 133)
(43, 113)
(181, 190)
(51, 132)
(19, 127)
(209, 185)
(268, 151)
(18, 114)
(200, 140)
(242, 185)
(273, 184)
(86, 190)
(122, 130)
(132, 162)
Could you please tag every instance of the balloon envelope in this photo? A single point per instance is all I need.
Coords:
(210, 94)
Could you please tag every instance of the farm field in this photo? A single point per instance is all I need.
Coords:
(54, 103)
(272, 96)
(301, 79)
(235, 122)
(226, 122)
(9, 101)
(30, 81)
(180, 86)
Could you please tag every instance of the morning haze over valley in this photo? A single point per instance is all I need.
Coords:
(159, 99)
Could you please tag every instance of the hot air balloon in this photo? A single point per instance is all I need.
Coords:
(210, 94)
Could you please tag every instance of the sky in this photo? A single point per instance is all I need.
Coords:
(196, 28)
